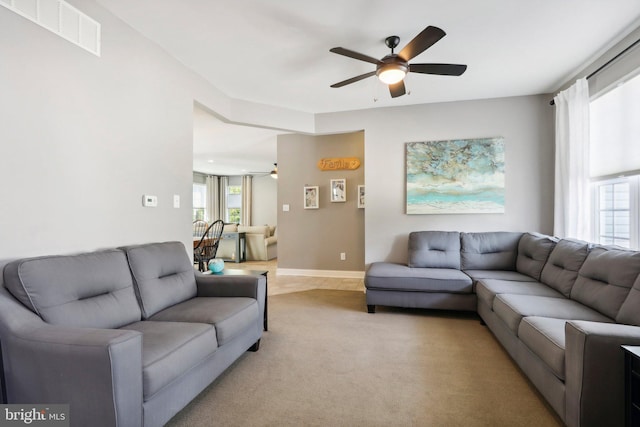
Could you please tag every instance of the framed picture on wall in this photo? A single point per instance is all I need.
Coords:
(311, 197)
(339, 190)
(361, 196)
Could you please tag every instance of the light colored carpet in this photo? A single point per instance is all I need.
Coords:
(326, 362)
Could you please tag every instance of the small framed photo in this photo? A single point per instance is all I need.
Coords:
(361, 196)
(339, 190)
(311, 197)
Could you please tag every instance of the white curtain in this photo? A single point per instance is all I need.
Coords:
(213, 198)
(247, 183)
(223, 182)
(571, 204)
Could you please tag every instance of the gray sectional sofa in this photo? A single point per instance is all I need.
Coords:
(561, 308)
(126, 336)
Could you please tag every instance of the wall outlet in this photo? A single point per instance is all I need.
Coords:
(343, 256)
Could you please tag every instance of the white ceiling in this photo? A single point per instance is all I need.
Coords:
(277, 52)
(223, 149)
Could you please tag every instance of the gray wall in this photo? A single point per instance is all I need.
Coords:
(312, 239)
(527, 125)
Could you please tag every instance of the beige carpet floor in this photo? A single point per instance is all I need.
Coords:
(326, 362)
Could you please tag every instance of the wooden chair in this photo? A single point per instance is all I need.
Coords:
(207, 247)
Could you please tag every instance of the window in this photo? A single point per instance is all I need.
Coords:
(615, 165)
(199, 201)
(234, 203)
(616, 211)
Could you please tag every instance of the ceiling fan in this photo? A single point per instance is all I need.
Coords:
(393, 68)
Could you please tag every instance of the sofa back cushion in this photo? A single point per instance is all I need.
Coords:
(605, 278)
(533, 251)
(163, 275)
(434, 249)
(255, 229)
(495, 250)
(629, 313)
(561, 269)
(90, 290)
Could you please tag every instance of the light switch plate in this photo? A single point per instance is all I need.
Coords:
(176, 201)
(285, 208)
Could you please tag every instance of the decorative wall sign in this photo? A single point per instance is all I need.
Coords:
(311, 197)
(455, 176)
(338, 190)
(339, 163)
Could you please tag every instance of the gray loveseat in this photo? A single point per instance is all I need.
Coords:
(560, 308)
(126, 336)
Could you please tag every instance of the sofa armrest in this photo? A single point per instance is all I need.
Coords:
(595, 372)
(97, 371)
(210, 285)
(233, 286)
(271, 240)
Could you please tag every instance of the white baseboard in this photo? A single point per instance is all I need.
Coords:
(336, 274)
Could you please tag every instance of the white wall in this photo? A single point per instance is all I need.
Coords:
(526, 123)
(265, 200)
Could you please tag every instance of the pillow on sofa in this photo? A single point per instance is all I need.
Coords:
(90, 290)
(533, 251)
(605, 279)
(434, 249)
(561, 270)
(493, 250)
(163, 275)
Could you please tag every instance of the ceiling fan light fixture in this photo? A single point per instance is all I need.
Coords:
(392, 73)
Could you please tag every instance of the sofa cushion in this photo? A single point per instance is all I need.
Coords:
(630, 311)
(544, 336)
(487, 289)
(489, 251)
(561, 270)
(231, 316)
(437, 249)
(90, 290)
(533, 251)
(390, 276)
(163, 275)
(512, 308)
(169, 349)
(605, 278)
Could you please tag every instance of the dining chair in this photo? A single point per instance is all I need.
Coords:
(207, 247)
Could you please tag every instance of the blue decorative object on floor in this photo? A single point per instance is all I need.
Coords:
(216, 265)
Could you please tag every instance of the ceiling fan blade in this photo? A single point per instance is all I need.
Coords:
(354, 79)
(354, 55)
(441, 69)
(427, 38)
(397, 89)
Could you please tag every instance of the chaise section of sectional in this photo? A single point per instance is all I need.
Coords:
(431, 279)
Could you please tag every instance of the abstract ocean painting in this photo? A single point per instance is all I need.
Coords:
(455, 176)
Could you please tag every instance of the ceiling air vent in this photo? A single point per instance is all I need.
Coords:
(60, 18)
